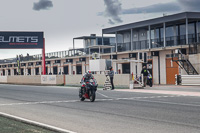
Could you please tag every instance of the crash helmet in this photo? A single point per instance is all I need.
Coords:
(89, 74)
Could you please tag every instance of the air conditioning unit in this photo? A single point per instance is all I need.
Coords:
(95, 56)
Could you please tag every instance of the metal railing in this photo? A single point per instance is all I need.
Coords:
(138, 45)
(121, 47)
(124, 47)
(157, 43)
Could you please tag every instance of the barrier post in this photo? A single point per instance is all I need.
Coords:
(43, 59)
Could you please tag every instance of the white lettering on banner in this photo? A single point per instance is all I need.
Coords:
(19, 39)
(44, 78)
(48, 79)
(52, 78)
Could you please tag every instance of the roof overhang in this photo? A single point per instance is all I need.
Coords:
(170, 19)
(90, 37)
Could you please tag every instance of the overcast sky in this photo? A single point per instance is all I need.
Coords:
(62, 20)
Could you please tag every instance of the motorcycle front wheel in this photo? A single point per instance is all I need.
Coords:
(81, 96)
(92, 96)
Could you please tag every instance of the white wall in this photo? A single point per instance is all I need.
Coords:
(83, 67)
(155, 70)
(70, 69)
(163, 78)
(195, 61)
(3, 79)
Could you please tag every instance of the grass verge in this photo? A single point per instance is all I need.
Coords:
(8, 125)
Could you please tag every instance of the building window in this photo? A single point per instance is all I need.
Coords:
(142, 34)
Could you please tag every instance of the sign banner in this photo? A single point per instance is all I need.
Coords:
(48, 79)
(21, 40)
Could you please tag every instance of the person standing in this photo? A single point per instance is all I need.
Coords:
(111, 75)
(145, 74)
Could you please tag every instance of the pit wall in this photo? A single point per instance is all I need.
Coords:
(33, 80)
(122, 80)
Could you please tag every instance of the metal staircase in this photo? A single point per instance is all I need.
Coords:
(185, 64)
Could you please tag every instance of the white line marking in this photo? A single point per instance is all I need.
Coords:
(36, 123)
(31, 103)
(183, 104)
(72, 101)
(44, 86)
(102, 94)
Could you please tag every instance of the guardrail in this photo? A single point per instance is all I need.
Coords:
(187, 80)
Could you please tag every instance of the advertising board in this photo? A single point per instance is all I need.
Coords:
(21, 40)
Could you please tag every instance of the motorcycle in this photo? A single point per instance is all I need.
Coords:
(88, 90)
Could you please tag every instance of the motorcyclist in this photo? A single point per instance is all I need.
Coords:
(86, 78)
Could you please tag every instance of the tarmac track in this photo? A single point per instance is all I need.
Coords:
(112, 112)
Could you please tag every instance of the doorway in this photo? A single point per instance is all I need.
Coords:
(55, 70)
(29, 71)
(78, 69)
(15, 71)
(126, 68)
(66, 70)
(4, 73)
(37, 71)
(22, 71)
(171, 71)
(46, 70)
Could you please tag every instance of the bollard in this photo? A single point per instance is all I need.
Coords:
(131, 86)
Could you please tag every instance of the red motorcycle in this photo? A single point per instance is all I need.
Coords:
(88, 90)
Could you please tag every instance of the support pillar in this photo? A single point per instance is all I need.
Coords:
(70, 69)
(131, 39)
(175, 35)
(43, 59)
(116, 40)
(149, 36)
(164, 34)
(197, 30)
(187, 41)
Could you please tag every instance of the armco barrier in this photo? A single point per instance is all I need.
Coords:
(190, 79)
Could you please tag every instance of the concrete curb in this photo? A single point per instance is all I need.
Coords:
(34, 123)
(183, 93)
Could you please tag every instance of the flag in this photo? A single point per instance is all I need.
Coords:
(132, 76)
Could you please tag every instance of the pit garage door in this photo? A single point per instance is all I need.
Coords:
(171, 71)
